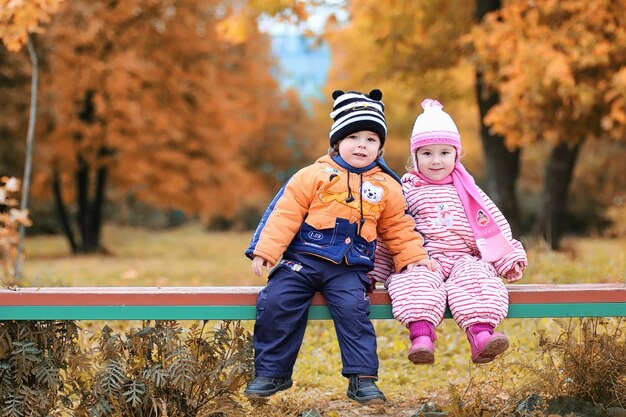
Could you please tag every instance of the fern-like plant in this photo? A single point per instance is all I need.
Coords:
(161, 369)
(33, 357)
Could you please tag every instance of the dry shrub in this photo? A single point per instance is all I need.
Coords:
(489, 391)
(11, 217)
(160, 369)
(164, 370)
(494, 389)
(586, 361)
(34, 356)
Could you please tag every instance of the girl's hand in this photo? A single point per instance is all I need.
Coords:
(514, 273)
(257, 265)
(431, 264)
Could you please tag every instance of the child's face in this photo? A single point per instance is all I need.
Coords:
(360, 149)
(436, 161)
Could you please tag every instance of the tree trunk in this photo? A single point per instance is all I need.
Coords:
(82, 199)
(97, 206)
(501, 165)
(89, 213)
(558, 175)
(30, 140)
(62, 212)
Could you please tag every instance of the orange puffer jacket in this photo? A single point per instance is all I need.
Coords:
(319, 211)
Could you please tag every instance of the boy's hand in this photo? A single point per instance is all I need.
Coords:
(428, 263)
(257, 265)
(514, 273)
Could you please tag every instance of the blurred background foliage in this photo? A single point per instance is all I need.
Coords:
(157, 113)
(176, 115)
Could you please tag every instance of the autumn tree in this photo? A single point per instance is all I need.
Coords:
(162, 100)
(15, 81)
(545, 71)
(18, 20)
(413, 50)
(502, 162)
(559, 68)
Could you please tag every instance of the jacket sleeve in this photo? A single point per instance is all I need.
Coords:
(283, 217)
(518, 256)
(397, 230)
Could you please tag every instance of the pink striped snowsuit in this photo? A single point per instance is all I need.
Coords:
(470, 286)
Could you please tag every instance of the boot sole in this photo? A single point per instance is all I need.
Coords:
(268, 393)
(370, 400)
(422, 357)
(495, 347)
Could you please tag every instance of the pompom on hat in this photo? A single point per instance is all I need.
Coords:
(354, 111)
(434, 127)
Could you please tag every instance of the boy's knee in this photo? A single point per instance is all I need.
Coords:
(354, 309)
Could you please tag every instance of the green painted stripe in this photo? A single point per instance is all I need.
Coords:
(567, 310)
(127, 313)
(249, 312)
(515, 311)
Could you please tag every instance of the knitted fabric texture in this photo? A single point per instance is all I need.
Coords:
(434, 126)
(354, 111)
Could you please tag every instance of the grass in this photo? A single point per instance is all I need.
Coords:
(580, 260)
(182, 256)
(191, 256)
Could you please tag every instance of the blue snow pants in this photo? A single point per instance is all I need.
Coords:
(282, 309)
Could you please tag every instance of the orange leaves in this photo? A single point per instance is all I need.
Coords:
(550, 62)
(154, 92)
(241, 23)
(18, 18)
(277, 7)
(405, 48)
(236, 28)
(614, 121)
(401, 38)
(558, 71)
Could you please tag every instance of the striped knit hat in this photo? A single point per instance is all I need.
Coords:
(354, 111)
(433, 127)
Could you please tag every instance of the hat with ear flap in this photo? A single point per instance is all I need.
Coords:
(354, 111)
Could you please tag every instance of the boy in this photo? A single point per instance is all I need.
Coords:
(324, 223)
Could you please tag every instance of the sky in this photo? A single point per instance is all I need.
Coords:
(303, 65)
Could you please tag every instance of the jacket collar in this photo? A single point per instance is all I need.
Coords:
(339, 161)
(379, 162)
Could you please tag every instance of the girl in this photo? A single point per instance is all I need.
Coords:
(465, 233)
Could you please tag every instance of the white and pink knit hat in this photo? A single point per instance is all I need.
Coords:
(434, 127)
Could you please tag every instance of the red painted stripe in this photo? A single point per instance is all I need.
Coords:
(135, 296)
(567, 293)
(220, 296)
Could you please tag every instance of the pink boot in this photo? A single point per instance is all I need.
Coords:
(485, 344)
(422, 334)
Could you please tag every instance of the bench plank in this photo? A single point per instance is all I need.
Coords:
(238, 303)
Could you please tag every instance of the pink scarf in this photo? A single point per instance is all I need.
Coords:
(491, 243)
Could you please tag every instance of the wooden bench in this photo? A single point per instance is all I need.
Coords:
(239, 303)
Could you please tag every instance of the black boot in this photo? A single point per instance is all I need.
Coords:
(262, 386)
(363, 389)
